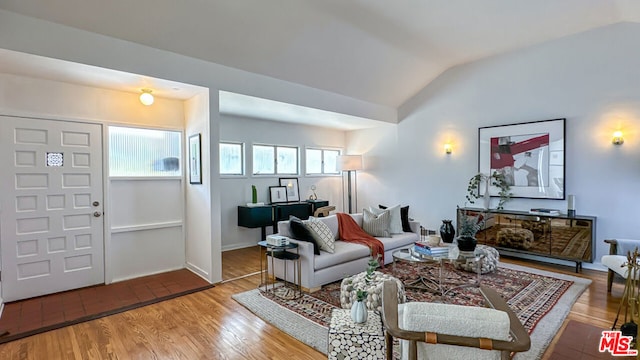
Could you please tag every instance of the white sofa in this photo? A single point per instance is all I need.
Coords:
(348, 258)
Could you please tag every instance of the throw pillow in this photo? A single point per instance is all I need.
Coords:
(376, 225)
(404, 217)
(395, 222)
(299, 231)
(322, 234)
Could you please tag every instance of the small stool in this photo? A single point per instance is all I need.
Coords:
(350, 286)
(348, 340)
(515, 238)
(489, 263)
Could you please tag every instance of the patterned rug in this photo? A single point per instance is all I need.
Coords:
(540, 299)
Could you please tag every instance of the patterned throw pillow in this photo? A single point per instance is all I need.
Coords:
(322, 234)
(376, 225)
(395, 221)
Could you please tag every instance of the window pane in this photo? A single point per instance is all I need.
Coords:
(314, 161)
(144, 152)
(331, 161)
(230, 159)
(263, 159)
(287, 160)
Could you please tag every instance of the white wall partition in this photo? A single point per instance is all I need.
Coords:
(146, 226)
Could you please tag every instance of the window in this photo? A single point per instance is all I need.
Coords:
(231, 158)
(144, 152)
(322, 161)
(272, 160)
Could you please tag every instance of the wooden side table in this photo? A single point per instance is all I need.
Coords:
(348, 340)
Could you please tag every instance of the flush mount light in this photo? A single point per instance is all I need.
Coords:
(146, 98)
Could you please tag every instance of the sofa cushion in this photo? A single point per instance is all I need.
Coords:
(344, 253)
(322, 234)
(376, 225)
(299, 231)
(395, 222)
(332, 222)
(404, 217)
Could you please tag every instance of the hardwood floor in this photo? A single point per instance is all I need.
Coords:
(211, 325)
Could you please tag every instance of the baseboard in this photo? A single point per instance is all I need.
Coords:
(237, 246)
(198, 271)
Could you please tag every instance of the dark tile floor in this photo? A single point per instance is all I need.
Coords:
(580, 342)
(35, 315)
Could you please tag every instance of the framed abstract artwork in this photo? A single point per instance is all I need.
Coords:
(530, 155)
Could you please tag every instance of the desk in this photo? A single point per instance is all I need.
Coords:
(269, 215)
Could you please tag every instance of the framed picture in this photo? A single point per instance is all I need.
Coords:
(293, 193)
(531, 156)
(195, 160)
(277, 194)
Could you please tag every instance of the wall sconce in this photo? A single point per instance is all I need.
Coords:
(447, 148)
(617, 138)
(146, 98)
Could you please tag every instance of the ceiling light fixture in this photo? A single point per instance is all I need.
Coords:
(146, 98)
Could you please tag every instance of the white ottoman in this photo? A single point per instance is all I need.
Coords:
(489, 261)
(350, 285)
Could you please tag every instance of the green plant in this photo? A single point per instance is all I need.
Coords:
(361, 295)
(254, 194)
(496, 179)
(470, 225)
(372, 265)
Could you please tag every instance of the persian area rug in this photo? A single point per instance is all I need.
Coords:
(541, 299)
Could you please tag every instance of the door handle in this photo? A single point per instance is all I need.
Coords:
(97, 214)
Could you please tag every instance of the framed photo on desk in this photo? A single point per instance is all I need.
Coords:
(277, 194)
(291, 184)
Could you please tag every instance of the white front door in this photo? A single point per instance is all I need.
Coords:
(51, 224)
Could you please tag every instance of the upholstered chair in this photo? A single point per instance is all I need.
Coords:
(446, 331)
(617, 259)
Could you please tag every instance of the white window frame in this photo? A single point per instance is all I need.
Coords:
(275, 160)
(323, 150)
(243, 156)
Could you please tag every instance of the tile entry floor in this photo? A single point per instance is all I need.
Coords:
(35, 315)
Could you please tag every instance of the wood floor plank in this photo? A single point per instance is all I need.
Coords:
(211, 325)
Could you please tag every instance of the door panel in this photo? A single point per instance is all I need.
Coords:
(51, 224)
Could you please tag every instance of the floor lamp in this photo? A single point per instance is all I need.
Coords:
(350, 164)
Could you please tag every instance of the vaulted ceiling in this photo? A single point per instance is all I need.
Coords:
(379, 51)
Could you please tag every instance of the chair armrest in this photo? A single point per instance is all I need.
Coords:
(521, 340)
(622, 246)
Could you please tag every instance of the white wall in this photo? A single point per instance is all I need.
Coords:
(592, 79)
(130, 213)
(237, 190)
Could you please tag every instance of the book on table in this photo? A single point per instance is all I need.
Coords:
(544, 211)
(423, 249)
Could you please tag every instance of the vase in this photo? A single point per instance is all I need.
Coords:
(359, 312)
(447, 232)
(466, 243)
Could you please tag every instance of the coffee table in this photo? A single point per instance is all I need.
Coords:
(436, 286)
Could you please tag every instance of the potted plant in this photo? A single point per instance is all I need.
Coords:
(496, 179)
(359, 308)
(469, 226)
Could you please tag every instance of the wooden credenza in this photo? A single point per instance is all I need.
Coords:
(269, 215)
(561, 236)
